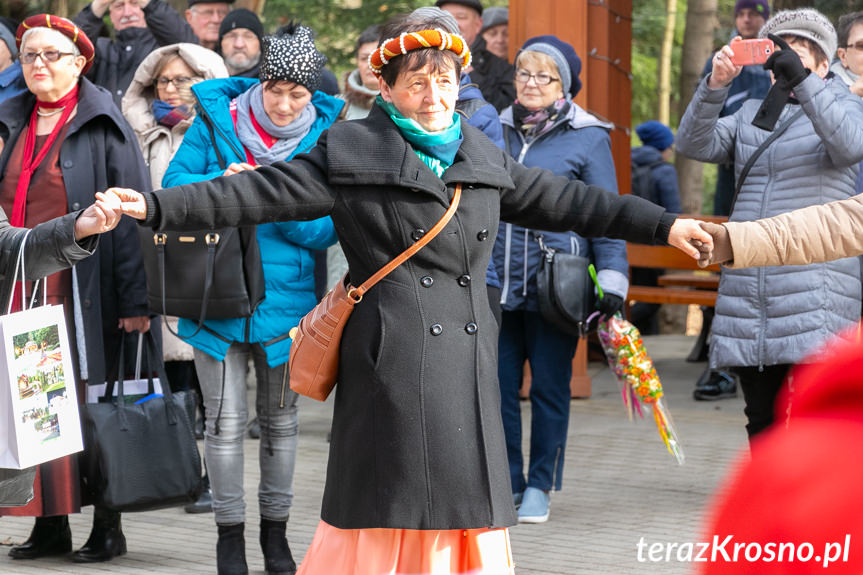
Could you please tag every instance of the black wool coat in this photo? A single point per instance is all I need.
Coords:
(417, 438)
(100, 151)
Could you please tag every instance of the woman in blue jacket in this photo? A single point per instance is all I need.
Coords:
(545, 129)
(257, 123)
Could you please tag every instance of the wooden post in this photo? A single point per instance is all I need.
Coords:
(601, 33)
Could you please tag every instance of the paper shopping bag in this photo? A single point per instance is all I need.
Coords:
(37, 389)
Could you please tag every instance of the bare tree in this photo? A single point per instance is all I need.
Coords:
(701, 21)
(664, 64)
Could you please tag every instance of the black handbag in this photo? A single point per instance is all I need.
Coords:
(564, 290)
(203, 275)
(215, 274)
(142, 456)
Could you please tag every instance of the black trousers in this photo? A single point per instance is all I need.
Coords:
(760, 389)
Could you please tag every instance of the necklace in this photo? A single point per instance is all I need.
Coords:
(46, 114)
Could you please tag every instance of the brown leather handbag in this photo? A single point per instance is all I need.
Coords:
(314, 360)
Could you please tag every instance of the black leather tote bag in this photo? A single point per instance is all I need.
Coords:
(140, 456)
(564, 290)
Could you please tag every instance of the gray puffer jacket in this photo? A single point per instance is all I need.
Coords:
(776, 315)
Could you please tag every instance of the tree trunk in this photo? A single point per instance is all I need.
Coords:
(697, 45)
(663, 113)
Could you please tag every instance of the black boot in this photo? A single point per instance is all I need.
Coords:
(204, 504)
(106, 540)
(277, 555)
(50, 536)
(231, 550)
(715, 384)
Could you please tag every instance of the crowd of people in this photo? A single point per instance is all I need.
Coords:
(205, 121)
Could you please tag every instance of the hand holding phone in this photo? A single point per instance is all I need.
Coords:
(751, 52)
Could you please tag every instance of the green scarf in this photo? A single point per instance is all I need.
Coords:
(436, 149)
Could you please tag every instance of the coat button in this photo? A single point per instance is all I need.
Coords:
(67, 164)
(417, 234)
(436, 329)
(87, 303)
(464, 280)
(426, 281)
(76, 206)
(471, 328)
(482, 235)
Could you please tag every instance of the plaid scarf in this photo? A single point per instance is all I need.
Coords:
(534, 123)
(170, 116)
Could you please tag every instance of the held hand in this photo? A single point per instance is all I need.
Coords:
(98, 218)
(237, 168)
(786, 65)
(724, 71)
(687, 236)
(722, 251)
(140, 324)
(131, 202)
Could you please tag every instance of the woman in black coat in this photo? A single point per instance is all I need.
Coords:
(418, 466)
(61, 141)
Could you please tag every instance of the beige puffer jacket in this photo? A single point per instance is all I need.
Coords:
(159, 143)
(810, 235)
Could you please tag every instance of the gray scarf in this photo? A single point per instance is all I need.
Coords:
(289, 136)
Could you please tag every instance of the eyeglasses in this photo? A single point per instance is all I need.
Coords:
(541, 79)
(856, 46)
(178, 82)
(210, 13)
(28, 58)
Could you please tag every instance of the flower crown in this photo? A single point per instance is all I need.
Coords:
(408, 41)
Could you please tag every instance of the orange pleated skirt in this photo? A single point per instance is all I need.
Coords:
(408, 552)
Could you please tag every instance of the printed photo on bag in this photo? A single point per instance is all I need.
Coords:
(41, 400)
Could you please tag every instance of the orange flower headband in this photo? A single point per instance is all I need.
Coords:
(408, 41)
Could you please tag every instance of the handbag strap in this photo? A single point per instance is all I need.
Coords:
(757, 153)
(356, 293)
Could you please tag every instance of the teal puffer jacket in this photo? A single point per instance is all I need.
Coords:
(285, 246)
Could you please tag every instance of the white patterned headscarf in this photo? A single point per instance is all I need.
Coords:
(290, 55)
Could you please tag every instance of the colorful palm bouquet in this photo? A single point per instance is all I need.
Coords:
(640, 386)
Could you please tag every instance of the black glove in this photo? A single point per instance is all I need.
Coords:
(788, 71)
(610, 304)
(786, 65)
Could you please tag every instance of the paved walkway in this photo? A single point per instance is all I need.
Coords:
(619, 485)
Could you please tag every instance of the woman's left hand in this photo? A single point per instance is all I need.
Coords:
(140, 324)
(98, 218)
(687, 236)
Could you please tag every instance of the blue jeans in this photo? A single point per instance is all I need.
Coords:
(524, 335)
(276, 406)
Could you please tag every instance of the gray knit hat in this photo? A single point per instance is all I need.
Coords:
(8, 38)
(805, 23)
(441, 18)
(290, 55)
(494, 16)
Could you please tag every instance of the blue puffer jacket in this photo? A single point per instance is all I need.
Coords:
(285, 247)
(577, 147)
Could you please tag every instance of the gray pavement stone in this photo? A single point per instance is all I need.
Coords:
(619, 485)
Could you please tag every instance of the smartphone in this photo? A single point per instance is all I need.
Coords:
(749, 52)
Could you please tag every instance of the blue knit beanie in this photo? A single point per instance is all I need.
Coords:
(655, 134)
(564, 56)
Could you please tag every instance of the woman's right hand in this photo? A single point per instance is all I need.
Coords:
(236, 168)
(131, 202)
(722, 252)
(724, 70)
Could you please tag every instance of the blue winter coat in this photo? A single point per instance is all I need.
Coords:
(664, 191)
(577, 147)
(285, 247)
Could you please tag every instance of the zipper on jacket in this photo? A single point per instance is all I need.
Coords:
(524, 276)
(507, 246)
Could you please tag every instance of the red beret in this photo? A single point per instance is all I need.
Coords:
(64, 26)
